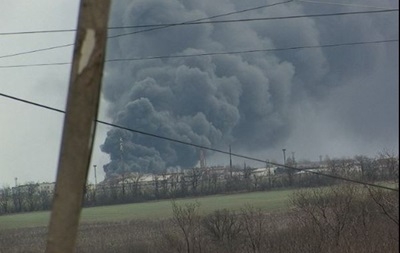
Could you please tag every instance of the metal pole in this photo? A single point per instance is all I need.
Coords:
(268, 173)
(230, 160)
(293, 160)
(284, 156)
(79, 125)
(95, 177)
(122, 164)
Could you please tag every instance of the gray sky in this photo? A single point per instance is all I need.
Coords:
(337, 102)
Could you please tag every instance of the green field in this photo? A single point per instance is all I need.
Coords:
(268, 201)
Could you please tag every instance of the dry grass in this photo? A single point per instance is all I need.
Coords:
(137, 236)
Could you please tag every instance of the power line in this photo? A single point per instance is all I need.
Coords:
(210, 22)
(147, 26)
(37, 32)
(35, 65)
(36, 50)
(32, 103)
(343, 4)
(215, 53)
(268, 19)
(160, 26)
(208, 148)
(197, 20)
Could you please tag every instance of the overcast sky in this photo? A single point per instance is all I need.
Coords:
(338, 102)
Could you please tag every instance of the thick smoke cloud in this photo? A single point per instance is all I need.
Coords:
(242, 100)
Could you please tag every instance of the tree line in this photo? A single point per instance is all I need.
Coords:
(199, 182)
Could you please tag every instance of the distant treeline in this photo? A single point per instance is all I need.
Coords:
(199, 182)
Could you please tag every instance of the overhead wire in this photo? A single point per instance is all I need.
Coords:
(209, 148)
(196, 20)
(213, 53)
(160, 26)
(202, 21)
(210, 22)
(36, 50)
(265, 19)
(37, 32)
(146, 26)
(343, 4)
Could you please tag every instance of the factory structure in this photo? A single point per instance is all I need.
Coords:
(131, 186)
(195, 176)
(203, 174)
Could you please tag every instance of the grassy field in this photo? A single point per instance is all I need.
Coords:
(268, 201)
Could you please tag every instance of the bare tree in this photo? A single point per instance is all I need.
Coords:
(195, 176)
(18, 198)
(5, 198)
(31, 191)
(389, 164)
(368, 167)
(224, 228)
(388, 203)
(135, 185)
(186, 217)
(44, 198)
(329, 210)
(254, 225)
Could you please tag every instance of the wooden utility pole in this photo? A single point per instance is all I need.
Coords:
(79, 124)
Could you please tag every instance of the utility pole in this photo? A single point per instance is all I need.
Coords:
(293, 160)
(95, 177)
(95, 184)
(284, 156)
(79, 125)
(268, 173)
(16, 181)
(230, 161)
(122, 164)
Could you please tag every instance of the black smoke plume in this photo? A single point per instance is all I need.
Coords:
(242, 100)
